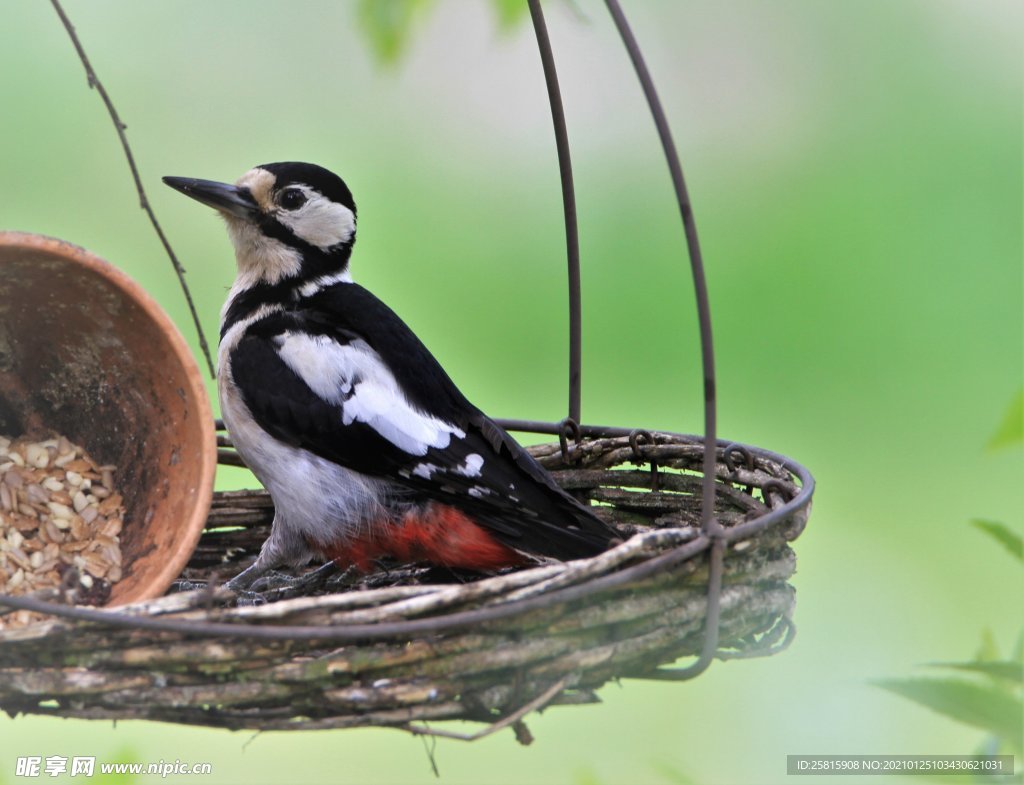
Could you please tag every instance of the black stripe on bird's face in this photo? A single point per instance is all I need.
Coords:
(301, 210)
(322, 180)
(287, 221)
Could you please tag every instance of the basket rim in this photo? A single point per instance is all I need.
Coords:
(135, 616)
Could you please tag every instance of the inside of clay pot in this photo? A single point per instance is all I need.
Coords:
(80, 356)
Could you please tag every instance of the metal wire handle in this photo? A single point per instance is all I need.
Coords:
(572, 236)
(709, 525)
(572, 239)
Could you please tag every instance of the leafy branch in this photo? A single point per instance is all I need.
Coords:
(389, 24)
(988, 692)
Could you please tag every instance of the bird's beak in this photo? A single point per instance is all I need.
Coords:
(227, 198)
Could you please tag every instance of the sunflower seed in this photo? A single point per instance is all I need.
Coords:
(52, 484)
(59, 511)
(80, 501)
(37, 455)
(36, 494)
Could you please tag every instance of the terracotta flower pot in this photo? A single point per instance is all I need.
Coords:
(86, 353)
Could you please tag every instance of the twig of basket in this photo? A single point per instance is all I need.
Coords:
(514, 718)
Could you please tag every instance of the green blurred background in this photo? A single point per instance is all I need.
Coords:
(856, 174)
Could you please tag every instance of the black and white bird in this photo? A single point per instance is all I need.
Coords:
(366, 446)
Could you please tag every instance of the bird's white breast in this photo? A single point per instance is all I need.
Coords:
(315, 499)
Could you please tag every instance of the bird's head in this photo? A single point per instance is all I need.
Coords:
(286, 220)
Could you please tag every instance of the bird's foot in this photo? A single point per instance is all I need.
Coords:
(275, 585)
(242, 585)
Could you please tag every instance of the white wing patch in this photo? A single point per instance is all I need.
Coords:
(425, 470)
(468, 468)
(353, 377)
(471, 466)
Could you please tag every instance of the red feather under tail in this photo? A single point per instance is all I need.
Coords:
(435, 534)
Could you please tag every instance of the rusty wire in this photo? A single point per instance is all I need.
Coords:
(572, 239)
(179, 270)
(693, 246)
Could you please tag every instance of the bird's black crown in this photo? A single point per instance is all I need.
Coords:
(323, 180)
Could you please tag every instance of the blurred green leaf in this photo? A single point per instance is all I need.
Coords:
(1002, 534)
(1002, 670)
(988, 651)
(388, 25)
(1011, 431)
(986, 707)
(510, 12)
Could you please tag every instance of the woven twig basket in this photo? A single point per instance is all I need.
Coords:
(488, 650)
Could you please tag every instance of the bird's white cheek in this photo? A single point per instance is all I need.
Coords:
(261, 258)
(321, 222)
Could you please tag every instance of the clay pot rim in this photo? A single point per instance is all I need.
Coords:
(192, 528)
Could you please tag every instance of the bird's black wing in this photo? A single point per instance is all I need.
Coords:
(344, 377)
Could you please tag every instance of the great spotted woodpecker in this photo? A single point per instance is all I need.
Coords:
(366, 446)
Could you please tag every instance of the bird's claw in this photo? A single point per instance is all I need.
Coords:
(276, 585)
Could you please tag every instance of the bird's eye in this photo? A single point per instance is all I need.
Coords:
(291, 198)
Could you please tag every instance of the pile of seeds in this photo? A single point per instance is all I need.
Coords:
(60, 522)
